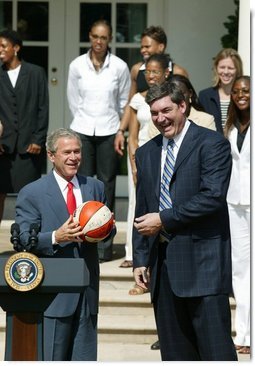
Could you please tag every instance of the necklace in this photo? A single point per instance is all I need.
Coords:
(97, 64)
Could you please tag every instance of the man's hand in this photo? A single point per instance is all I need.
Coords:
(69, 231)
(149, 224)
(142, 277)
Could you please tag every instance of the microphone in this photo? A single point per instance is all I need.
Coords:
(15, 239)
(33, 238)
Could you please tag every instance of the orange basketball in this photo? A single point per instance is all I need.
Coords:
(95, 219)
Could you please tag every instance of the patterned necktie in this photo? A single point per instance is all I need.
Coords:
(70, 200)
(165, 199)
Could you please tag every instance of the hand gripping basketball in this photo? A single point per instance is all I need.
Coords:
(96, 220)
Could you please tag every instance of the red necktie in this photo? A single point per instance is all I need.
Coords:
(70, 201)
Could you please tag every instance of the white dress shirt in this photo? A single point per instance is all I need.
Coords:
(97, 98)
(63, 187)
(13, 75)
(177, 144)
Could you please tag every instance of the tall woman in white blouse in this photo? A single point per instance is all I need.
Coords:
(97, 91)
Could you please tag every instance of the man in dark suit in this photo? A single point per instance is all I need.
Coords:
(70, 322)
(181, 248)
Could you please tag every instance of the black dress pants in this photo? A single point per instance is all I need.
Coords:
(100, 159)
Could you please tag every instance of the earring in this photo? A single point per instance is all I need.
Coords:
(15, 53)
(190, 100)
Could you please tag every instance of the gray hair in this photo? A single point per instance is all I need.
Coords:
(54, 136)
(167, 88)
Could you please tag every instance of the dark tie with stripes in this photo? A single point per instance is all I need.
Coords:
(165, 199)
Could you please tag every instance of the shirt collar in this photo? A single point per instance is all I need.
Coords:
(106, 61)
(63, 182)
(179, 137)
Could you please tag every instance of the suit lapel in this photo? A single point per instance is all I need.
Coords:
(86, 190)
(155, 164)
(5, 80)
(187, 145)
(22, 75)
(57, 201)
(233, 140)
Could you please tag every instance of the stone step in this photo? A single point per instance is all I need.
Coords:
(122, 328)
(124, 304)
(122, 317)
(127, 352)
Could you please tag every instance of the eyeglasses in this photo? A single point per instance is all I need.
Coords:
(101, 38)
(242, 91)
(153, 72)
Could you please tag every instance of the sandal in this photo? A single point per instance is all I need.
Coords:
(245, 350)
(137, 290)
(126, 264)
(238, 347)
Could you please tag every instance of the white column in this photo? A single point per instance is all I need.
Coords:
(244, 34)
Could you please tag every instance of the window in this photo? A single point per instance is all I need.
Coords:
(128, 21)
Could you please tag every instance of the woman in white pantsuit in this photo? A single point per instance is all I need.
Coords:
(237, 130)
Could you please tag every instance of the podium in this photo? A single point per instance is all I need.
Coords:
(24, 310)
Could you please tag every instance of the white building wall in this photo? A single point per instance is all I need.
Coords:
(194, 39)
(244, 34)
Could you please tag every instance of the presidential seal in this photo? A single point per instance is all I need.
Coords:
(23, 271)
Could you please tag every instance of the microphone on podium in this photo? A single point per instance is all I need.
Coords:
(33, 238)
(15, 238)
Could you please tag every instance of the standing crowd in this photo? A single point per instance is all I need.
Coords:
(188, 232)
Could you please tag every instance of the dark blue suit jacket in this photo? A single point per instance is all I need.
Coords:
(210, 100)
(42, 203)
(198, 255)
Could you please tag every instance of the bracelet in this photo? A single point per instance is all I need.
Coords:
(120, 130)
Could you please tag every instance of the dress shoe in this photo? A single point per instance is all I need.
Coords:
(155, 345)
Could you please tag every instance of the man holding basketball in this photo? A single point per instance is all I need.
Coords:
(70, 322)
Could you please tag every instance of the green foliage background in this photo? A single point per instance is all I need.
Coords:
(230, 40)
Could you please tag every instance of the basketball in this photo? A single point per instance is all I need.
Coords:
(95, 219)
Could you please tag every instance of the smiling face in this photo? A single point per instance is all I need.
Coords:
(241, 94)
(226, 70)
(7, 51)
(149, 47)
(154, 73)
(168, 117)
(67, 157)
